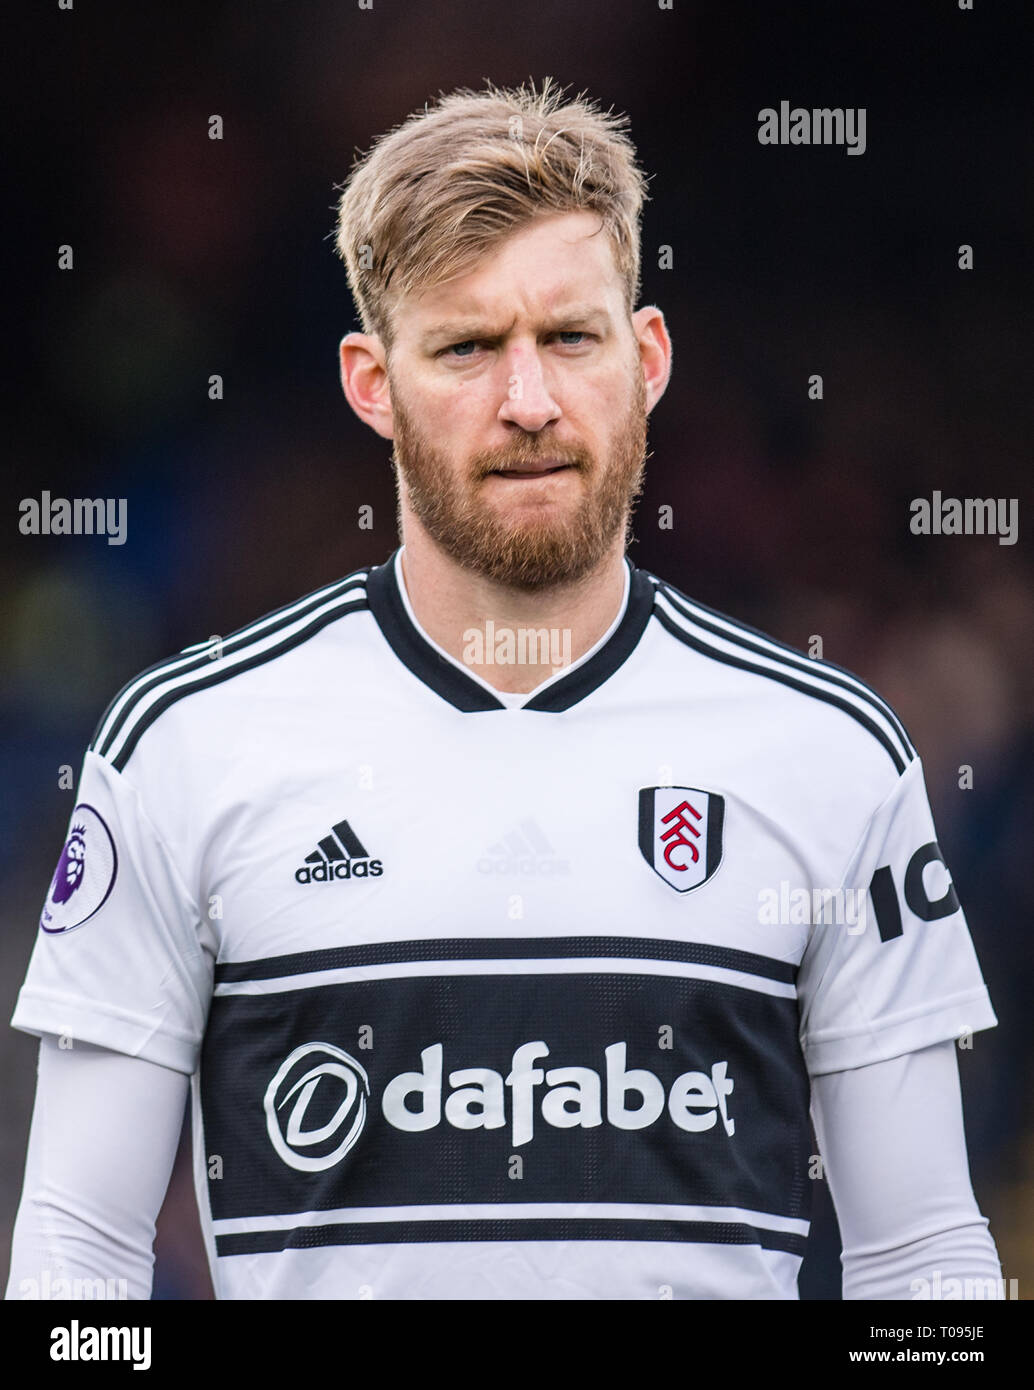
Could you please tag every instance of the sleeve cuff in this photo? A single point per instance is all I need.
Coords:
(835, 1050)
(40, 1012)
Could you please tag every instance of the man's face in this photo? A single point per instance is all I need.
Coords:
(519, 407)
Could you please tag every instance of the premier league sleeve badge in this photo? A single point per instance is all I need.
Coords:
(85, 873)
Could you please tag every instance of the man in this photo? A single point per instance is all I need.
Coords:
(467, 891)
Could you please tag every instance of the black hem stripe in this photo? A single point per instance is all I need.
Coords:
(463, 691)
(236, 641)
(227, 673)
(510, 948)
(830, 699)
(819, 670)
(514, 1229)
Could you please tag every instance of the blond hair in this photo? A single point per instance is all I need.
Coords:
(434, 194)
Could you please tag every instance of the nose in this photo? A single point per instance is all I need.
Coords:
(528, 401)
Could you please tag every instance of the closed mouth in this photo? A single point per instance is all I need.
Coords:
(539, 472)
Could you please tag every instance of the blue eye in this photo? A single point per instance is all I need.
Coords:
(569, 337)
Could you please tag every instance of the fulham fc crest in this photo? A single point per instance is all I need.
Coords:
(680, 833)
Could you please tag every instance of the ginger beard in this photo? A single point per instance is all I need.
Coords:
(525, 547)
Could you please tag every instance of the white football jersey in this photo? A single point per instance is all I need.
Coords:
(501, 996)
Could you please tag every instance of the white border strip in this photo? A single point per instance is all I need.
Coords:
(556, 965)
(511, 1211)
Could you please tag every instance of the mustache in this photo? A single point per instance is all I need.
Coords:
(503, 460)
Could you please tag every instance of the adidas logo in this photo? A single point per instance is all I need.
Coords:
(523, 850)
(338, 855)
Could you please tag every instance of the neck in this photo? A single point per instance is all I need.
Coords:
(470, 616)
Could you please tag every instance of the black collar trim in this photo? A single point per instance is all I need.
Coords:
(467, 694)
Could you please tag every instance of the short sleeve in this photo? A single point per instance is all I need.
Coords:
(118, 960)
(895, 970)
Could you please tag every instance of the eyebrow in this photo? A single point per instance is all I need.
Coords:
(461, 330)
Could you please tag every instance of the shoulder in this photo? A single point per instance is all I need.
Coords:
(806, 687)
(219, 660)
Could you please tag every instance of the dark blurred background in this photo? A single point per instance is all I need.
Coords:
(195, 257)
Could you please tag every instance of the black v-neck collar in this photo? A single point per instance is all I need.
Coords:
(461, 690)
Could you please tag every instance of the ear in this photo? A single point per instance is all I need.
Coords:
(654, 351)
(364, 380)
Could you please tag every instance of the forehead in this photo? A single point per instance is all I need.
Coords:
(555, 261)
